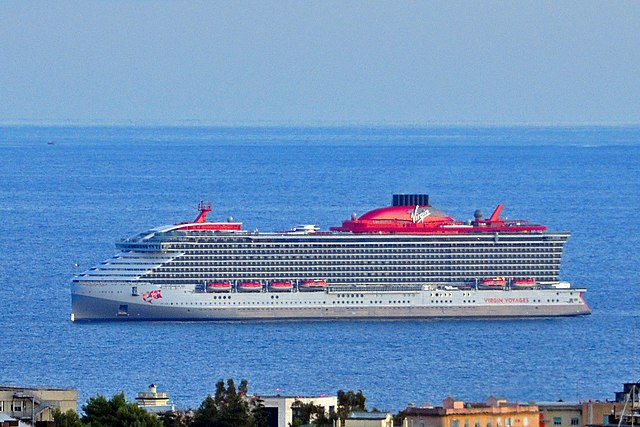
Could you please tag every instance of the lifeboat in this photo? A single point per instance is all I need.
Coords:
(313, 285)
(250, 287)
(495, 283)
(523, 283)
(218, 287)
(281, 286)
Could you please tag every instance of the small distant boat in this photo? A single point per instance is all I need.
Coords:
(285, 286)
(50, 143)
(313, 285)
(494, 283)
(218, 287)
(250, 287)
(523, 283)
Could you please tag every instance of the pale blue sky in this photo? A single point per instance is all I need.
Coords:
(320, 62)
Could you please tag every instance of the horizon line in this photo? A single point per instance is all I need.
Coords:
(320, 124)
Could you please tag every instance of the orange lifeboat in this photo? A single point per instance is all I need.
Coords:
(285, 286)
(495, 283)
(523, 283)
(218, 287)
(313, 285)
(250, 287)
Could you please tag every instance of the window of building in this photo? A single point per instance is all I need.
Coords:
(454, 423)
(489, 422)
(509, 422)
(525, 422)
(466, 422)
(575, 421)
(16, 407)
(557, 421)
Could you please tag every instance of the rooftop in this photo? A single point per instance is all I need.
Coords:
(358, 415)
(18, 388)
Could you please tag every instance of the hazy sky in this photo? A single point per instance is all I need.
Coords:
(319, 62)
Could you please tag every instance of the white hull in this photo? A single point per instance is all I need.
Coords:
(115, 302)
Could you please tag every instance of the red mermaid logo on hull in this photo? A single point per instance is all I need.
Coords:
(151, 295)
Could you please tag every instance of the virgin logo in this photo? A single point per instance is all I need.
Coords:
(418, 215)
(151, 295)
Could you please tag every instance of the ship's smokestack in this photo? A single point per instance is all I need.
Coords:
(410, 200)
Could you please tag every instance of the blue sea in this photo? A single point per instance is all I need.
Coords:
(65, 203)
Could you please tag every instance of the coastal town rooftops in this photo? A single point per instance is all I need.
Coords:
(36, 403)
(451, 406)
(557, 404)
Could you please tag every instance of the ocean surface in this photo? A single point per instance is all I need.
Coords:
(67, 202)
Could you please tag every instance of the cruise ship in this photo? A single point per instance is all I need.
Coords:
(407, 260)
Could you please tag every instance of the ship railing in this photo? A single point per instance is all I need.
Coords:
(375, 288)
(150, 395)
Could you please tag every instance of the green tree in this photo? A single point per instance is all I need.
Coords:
(229, 408)
(175, 419)
(207, 414)
(258, 414)
(309, 414)
(66, 419)
(116, 412)
(349, 402)
(398, 418)
(243, 388)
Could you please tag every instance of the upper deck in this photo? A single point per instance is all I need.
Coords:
(412, 214)
(399, 219)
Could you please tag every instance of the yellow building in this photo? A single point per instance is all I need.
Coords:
(36, 404)
(456, 413)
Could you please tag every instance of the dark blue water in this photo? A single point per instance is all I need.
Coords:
(68, 202)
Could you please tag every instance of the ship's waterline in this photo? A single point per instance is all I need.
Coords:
(403, 261)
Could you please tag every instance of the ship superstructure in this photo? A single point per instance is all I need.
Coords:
(406, 260)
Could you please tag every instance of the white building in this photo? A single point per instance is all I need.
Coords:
(280, 410)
